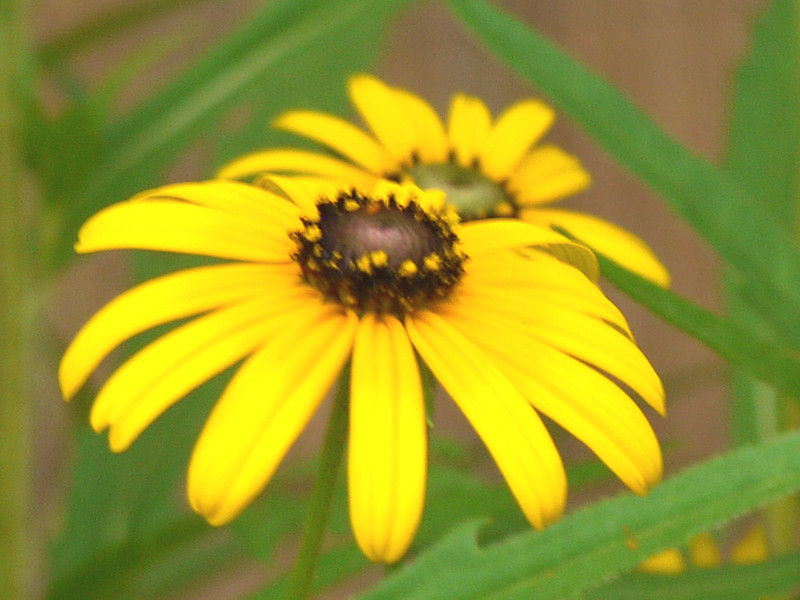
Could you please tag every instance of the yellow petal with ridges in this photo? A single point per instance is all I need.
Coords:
(344, 138)
(158, 301)
(166, 370)
(292, 162)
(431, 143)
(576, 396)
(516, 301)
(387, 115)
(468, 126)
(572, 329)
(607, 239)
(546, 174)
(175, 226)
(387, 448)
(499, 235)
(510, 428)
(517, 128)
(265, 407)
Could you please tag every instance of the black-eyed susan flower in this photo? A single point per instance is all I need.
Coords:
(487, 168)
(379, 278)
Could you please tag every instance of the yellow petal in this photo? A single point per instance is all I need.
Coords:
(387, 449)
(516, 130)
(160, 301)
(289, 162)
(431, 143)
(166, 370)
(667, 562)
(175, 226)
(343, 137)
(546, 174)
(574, 395)
(498, 235)
(468, 127)
(752, 548)
(265, 407)
(387, 115)
(704, 552)
(562, 287)
(559, 321)
(510, 428)
(616, 243)
(248, 201)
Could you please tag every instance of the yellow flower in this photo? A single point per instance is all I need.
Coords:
(379, 278)
(487, 169)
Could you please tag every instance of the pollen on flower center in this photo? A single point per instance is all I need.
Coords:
(473, 195)
(379, 253)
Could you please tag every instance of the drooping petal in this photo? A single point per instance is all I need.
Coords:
(175, 226)
(245, 200)
(288, 161)
(387, 448)
(498, 235)
(341, 136)
(616, 243)
(160, 301)
(553, 283)
(510, 428)
(265, 407)
(468, 126)
(586, 332)
(546, 174)
(576, 396)
(516, 130)
(166, 370)
(431, 143)
(387, 115)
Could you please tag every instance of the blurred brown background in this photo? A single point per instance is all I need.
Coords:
(674, 58)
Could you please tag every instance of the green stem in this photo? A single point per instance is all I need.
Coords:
(302, 576)
(15, 314)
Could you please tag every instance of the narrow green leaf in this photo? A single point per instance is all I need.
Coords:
(746, 236)
(733, 341)
(111, 22)
(764, 141)
(595, 544)
(742, 582)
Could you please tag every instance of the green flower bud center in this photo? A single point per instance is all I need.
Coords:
(470, 192)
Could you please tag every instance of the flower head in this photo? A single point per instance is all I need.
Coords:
(378, 277)
(487, 168)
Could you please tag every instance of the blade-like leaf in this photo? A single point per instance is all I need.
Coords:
(595, 544)
(733, 341)
(747, 237)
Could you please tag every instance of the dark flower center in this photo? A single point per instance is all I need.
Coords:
(472, 194)
(379, 254)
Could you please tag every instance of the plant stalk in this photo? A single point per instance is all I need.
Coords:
(302, 576)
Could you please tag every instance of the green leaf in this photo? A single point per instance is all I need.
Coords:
(763, 156)
(747, 237)
(732, 340)
(595, 544)
(742, 582)
(290, 41)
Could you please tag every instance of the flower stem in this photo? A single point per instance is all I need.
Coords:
(302, 575)
(16, 327)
